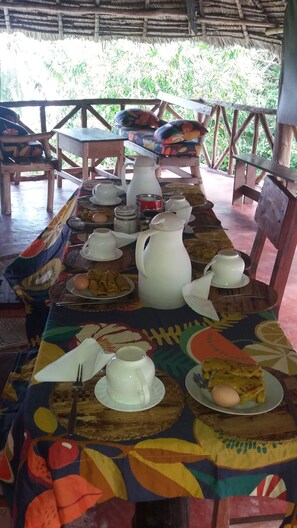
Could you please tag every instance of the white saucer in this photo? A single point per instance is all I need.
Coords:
(191, 219)
(158, 392)
(98, 259)
(94, 200)
(244, 281)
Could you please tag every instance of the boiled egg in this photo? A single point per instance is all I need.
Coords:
(81, 282)
(225, 396)
(99, 218)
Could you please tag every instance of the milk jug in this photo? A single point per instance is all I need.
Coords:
(144, 179)
(164, 265)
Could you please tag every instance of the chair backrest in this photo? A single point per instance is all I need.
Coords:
(276, 218)
(202, 110)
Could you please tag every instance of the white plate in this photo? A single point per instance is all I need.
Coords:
(158, 392)
(191, 219)
(273, 391)
(94, 200)
(86, 294)
(244, 281)
(118, 254)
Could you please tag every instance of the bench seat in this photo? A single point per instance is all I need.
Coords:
(244, 190)
(180, 158)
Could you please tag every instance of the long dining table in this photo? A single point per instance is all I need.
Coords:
(181, 446)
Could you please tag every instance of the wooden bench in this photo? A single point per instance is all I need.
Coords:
(176, 164)
(244, 190)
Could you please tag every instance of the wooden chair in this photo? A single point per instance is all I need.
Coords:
(276, 218)
(222, 517)
(12, 168)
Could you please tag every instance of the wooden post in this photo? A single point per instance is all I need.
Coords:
(282, 144)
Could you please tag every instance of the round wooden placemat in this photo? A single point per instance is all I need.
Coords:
(276, 425)
(253, 298)
(97, 422)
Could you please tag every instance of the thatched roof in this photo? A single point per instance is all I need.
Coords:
(247, 22)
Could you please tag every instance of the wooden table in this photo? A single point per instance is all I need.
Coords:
(157, 458)
(88, 143)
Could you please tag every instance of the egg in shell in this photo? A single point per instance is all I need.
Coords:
(225, 396)
(81, 282)
(99, 218)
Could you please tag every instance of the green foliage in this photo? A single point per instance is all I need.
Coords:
(76, 69)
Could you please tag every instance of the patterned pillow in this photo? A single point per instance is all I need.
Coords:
(9, 128)
(17, 150)
(9, 114)
(178, 131)
(138, 117)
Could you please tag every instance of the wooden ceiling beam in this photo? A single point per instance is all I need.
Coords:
(7, 19)
(241, 16)
(149, 13)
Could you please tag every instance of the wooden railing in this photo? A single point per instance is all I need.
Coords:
(231, 124)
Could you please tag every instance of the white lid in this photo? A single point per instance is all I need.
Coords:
(167, 222)
(144, 161)
(125, 211)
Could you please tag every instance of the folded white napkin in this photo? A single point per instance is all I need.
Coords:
(89, 353)
(196, 296)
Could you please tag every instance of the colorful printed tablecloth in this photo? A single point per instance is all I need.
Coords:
(53, 478)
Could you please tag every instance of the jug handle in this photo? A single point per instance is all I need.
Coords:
(145, 393)
(208, 265)
(139, 250)
(123, 174)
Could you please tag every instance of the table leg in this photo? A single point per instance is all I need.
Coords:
(5, 193)
(59, 156)
(120, 161)
(169, 513)
(85, 164)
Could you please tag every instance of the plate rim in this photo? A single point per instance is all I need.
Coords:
(79, 293)
(236, 410)
(130, 408)
(85, 223)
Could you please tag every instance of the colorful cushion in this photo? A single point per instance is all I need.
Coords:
(9, 114)
(9, 128)
(138, 117)
(178, 131)
(146, 139)
(17, 150)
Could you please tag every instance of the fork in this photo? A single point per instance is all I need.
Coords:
(77, 386)
(249, 295)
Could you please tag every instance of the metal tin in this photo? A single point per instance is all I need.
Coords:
(125, 219)
(149, 204)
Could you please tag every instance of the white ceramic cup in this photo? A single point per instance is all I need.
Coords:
(227, 267)
(180, 206)
(101, 245)
(130, 375)
(105, 193)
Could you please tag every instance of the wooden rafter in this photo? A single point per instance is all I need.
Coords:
(218, 22)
